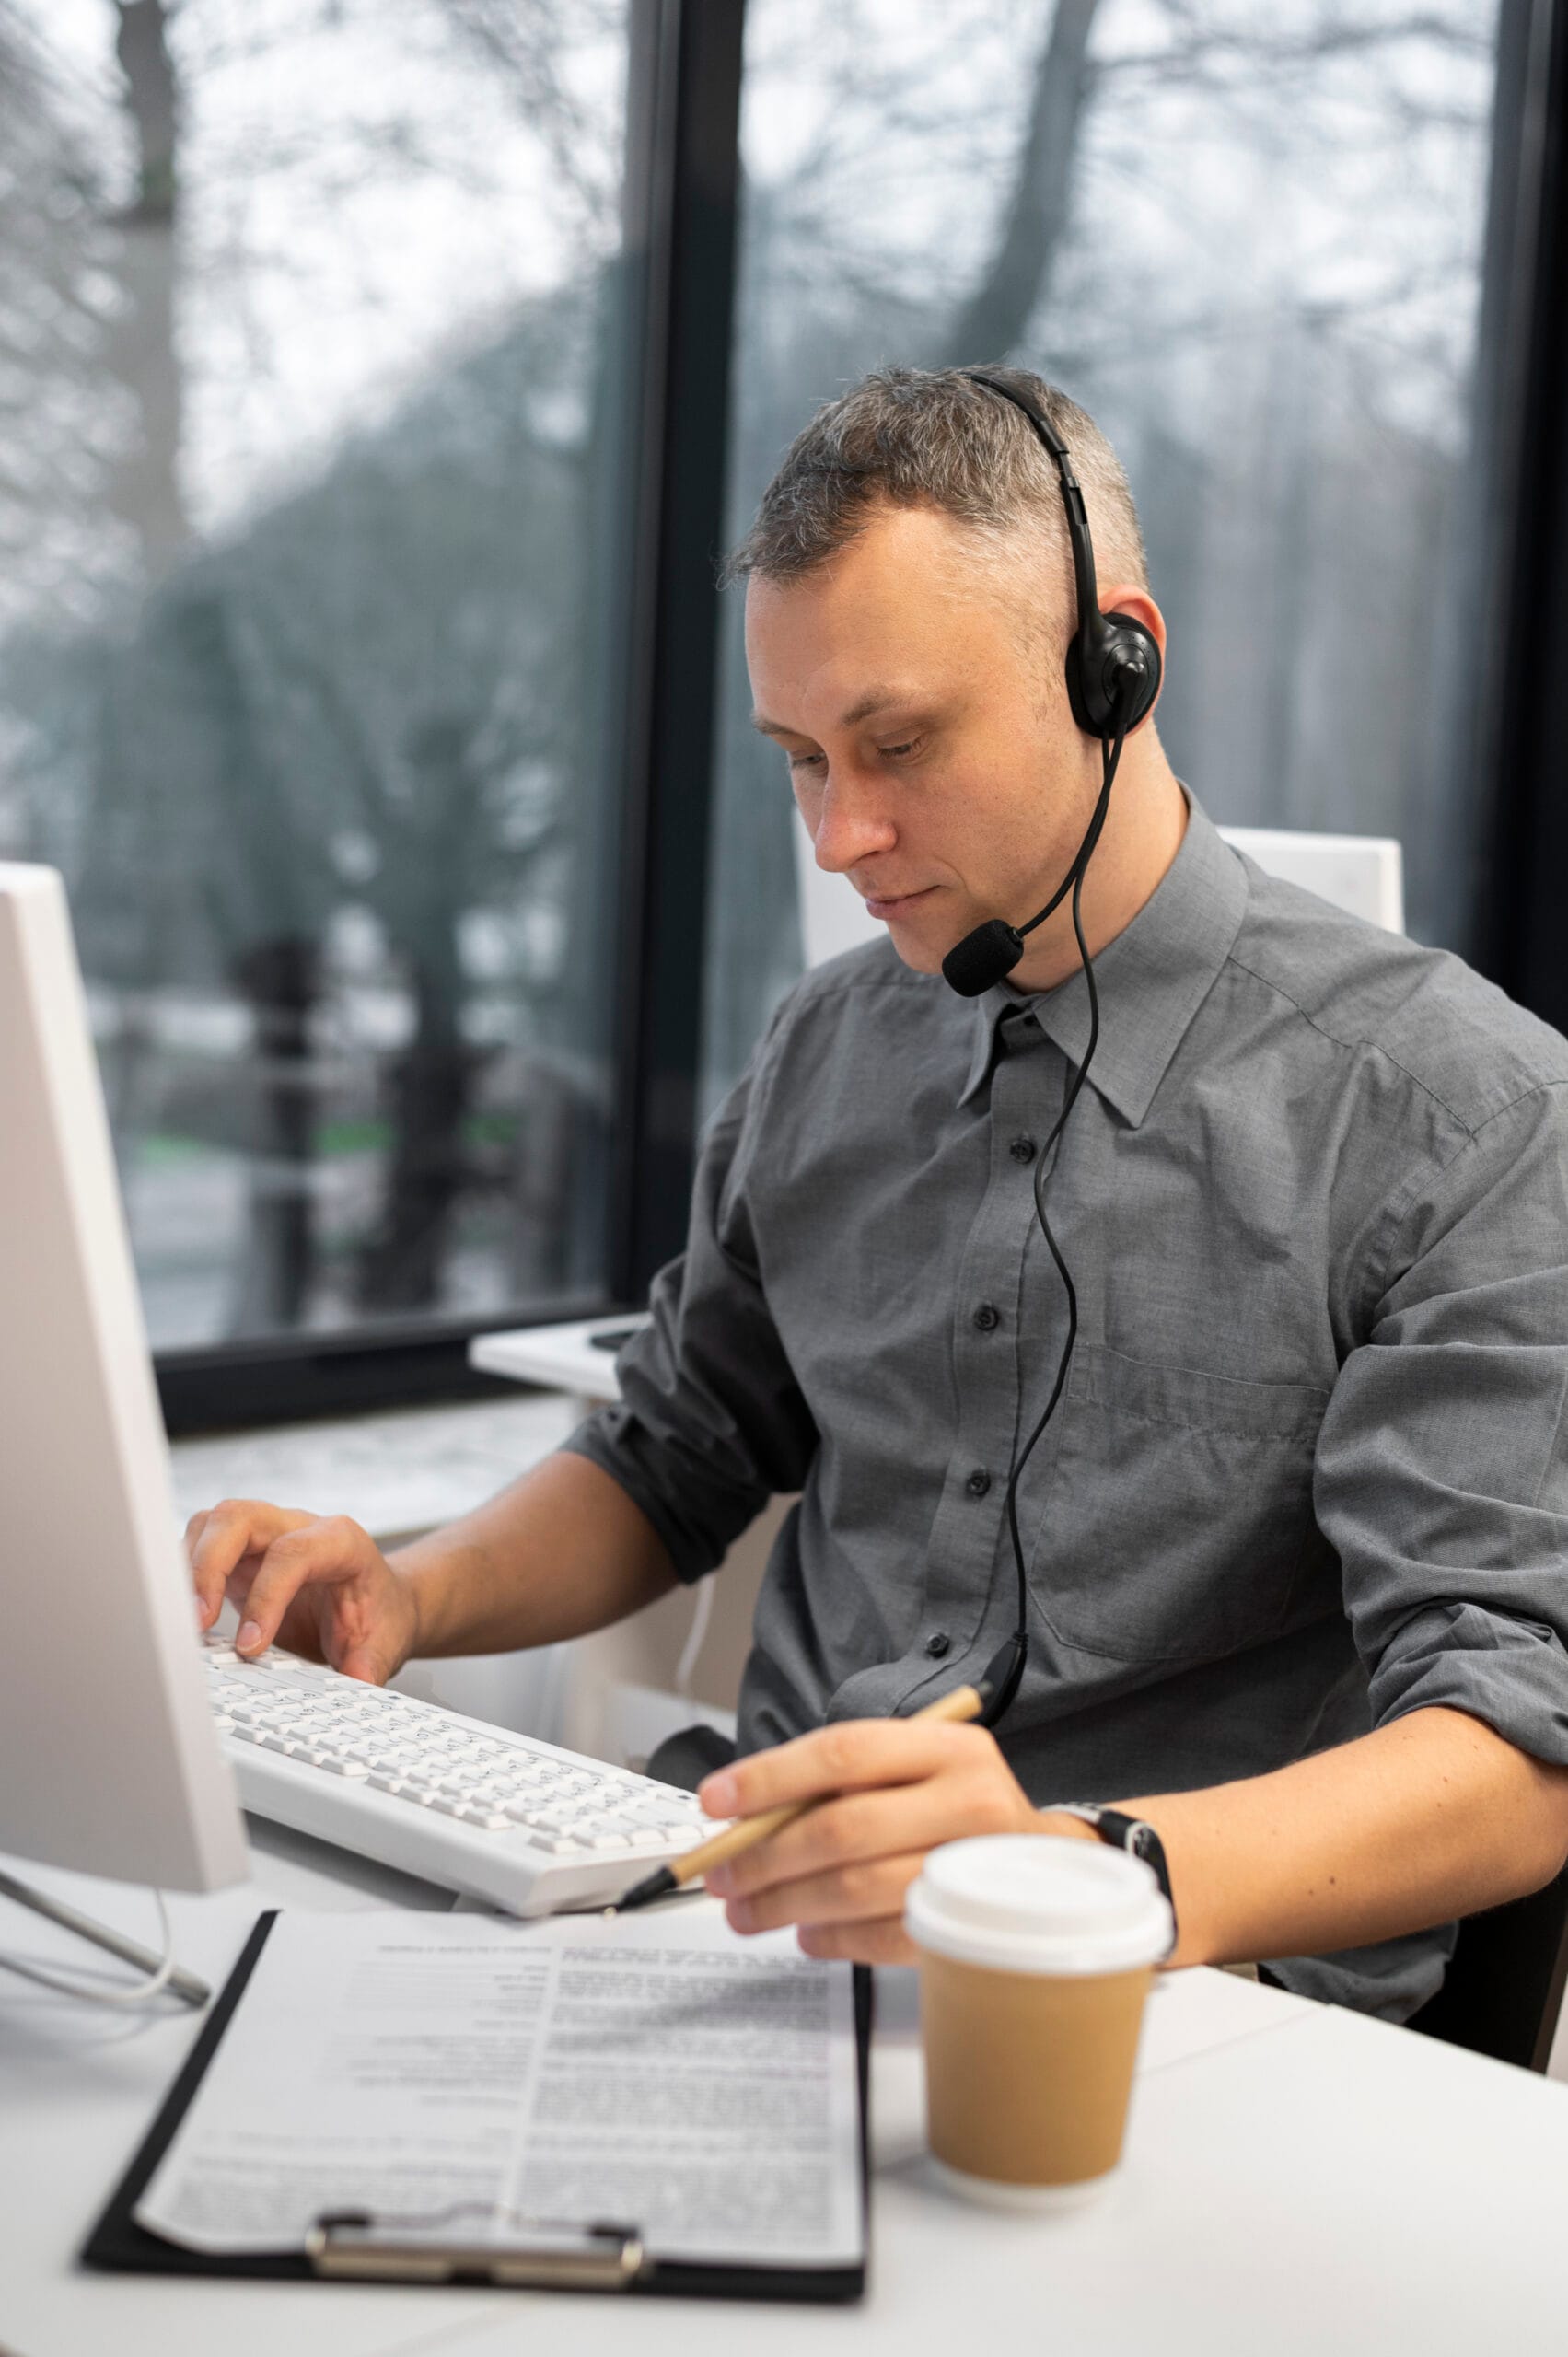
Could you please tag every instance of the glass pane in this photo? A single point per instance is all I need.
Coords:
(1248, 241)
(307, 310)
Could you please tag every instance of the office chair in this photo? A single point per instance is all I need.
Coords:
(1504, 1990)
(1364, 875)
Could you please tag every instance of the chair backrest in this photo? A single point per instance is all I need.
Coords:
(1504, 1990)
(1364, 875)
(1361, 874)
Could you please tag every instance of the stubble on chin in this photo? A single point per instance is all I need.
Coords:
(920, 955)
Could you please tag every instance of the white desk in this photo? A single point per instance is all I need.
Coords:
(1297, 2181)
(564, 1357)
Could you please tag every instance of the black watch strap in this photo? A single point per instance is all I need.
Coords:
(1134, 1834)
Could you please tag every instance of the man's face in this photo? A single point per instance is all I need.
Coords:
(933, 758)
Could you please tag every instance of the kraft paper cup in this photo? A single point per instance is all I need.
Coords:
(1036, 1955)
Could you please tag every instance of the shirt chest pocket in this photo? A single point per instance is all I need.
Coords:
(1178, 1518)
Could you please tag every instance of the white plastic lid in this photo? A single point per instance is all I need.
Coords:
(1039, 1902)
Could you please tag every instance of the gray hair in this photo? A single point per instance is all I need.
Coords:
(929, 438)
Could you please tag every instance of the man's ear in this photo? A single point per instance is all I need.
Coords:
(1126, 597)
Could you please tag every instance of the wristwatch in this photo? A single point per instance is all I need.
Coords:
(1134, 1834)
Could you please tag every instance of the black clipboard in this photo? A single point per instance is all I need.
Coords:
(119, 2244)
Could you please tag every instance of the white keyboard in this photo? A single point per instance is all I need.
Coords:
(474, 1807)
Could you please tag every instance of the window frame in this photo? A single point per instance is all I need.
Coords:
(1522, 695)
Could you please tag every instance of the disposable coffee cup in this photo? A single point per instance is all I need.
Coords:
(1036, 1955)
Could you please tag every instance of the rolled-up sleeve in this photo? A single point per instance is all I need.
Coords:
(1442, 1467)
(711, 1422)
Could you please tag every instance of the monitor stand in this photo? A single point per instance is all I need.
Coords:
(184, 1984)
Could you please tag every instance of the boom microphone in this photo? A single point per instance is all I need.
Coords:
(993, 948)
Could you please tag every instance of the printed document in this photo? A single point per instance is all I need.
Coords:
(504, 2080)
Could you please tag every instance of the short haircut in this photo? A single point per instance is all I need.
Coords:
(930, 437)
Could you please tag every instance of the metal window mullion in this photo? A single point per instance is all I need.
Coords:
(683, 176)
(1522, 622)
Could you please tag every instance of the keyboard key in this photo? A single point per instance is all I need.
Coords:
(651, 1808)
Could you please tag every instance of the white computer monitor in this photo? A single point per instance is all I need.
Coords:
(109, 1759)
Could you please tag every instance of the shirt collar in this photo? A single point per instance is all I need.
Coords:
(1152, 979)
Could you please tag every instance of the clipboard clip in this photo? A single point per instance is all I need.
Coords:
(543, 2253)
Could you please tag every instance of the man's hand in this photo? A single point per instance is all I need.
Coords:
(322, 1588)
(841, 1872)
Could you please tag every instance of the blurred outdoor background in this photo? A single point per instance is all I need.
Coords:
(314, 316)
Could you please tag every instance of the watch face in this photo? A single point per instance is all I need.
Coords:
(1142, 1840)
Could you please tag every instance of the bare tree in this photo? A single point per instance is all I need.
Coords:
(59, 428)
(1090, 227)
(399, 650)
(994, 317)
(140, 347)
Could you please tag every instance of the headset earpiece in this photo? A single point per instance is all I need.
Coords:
(1113, 674)
(1113, 663)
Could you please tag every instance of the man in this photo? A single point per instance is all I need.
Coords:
(1297, 1538)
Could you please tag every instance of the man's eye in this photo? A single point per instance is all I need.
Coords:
(896, 752)
(803, 761)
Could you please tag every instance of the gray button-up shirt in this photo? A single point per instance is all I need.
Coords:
(1311, 1469)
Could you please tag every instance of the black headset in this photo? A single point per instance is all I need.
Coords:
(1113, 676)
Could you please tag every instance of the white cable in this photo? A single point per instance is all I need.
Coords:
(140, 1993)
(686, 1667)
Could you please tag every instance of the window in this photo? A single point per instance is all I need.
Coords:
(309, 317)
(1249, 243)
(372, 384)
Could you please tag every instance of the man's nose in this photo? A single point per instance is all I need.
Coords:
(851, 825)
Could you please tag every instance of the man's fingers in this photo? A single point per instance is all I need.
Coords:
(855, 1895)
(218, 1540)
(369, 1662)
(319, 1551)
(206, 1604)
(846, 1832)
(845, 1759)
(886, 1941)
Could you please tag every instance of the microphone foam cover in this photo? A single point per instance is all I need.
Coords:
(982, 957)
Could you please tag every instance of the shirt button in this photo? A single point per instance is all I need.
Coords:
(1022, 1149)
(939, 1644)
(987, 1316)
(977, 1483)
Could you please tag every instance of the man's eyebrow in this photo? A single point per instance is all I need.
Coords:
(874, 700)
